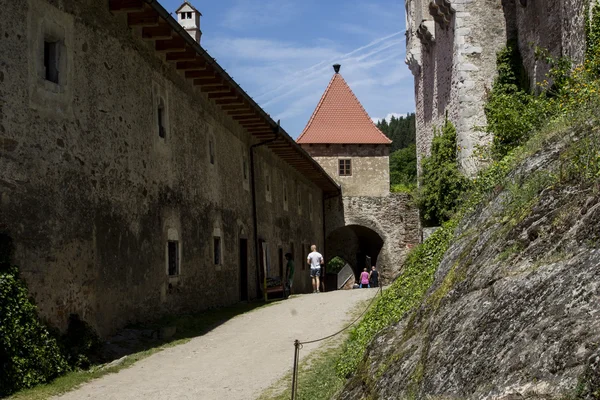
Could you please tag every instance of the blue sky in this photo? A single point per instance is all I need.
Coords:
(281, 52)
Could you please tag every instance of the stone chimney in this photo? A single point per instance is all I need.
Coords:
(189, 18)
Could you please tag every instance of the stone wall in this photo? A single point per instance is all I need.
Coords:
(370, 167)
(451, 51)
(391, 220)
(91, 194)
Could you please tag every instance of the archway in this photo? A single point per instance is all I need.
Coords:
(356, 244)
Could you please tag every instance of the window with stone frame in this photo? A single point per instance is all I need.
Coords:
(51, 60)
(345, 167)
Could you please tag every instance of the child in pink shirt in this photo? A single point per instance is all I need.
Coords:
(364, 279)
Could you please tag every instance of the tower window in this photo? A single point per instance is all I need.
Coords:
(345, 167)
(51, 58)
(173, 257)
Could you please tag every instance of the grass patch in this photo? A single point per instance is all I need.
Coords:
(188, 326)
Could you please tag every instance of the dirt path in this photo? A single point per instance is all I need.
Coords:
(235, 361)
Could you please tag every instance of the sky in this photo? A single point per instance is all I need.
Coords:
(281, 52)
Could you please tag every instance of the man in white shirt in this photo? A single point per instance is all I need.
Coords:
(315, 260)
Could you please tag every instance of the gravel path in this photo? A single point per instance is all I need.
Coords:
(235, 361)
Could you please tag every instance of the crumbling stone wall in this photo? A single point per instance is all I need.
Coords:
(392, 218)
(451, 51)
(91, 194)
(370, 166)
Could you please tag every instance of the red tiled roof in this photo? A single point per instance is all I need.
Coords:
(340, 118)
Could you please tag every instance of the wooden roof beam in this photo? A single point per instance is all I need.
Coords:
(241, 113)
(251, 117)
(231, 107)
(197, 65)
(148, 17)
(215, 89)
(119, 6)
(188, 55)
(236, 101)
(226, 95)
(176, 44)
(252, 124)
(162, 31)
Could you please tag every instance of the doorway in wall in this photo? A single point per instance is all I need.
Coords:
(243, 269)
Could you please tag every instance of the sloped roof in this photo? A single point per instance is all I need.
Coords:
(340, 119)
(187, 3)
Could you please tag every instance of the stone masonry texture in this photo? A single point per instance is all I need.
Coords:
(453, 59)
(91, 194)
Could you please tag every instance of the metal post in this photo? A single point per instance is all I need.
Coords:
(295, 370)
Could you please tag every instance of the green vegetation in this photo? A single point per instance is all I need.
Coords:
(29, 354)
(405, 293)
(403, 152)
(317, 379)
(442, 183)
(335, 265)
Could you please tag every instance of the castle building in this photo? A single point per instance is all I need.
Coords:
(137, 178)
(451, 50)
(367, 225)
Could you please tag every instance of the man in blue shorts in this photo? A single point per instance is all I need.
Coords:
(315, 260)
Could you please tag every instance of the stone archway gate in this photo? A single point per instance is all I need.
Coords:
(393, 217)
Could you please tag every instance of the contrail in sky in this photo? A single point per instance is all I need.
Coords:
(310, 70)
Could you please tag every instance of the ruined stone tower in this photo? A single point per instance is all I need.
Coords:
(451, 51)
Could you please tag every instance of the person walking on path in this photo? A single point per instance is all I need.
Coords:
(289, 271)
(315, 260)
(364, 279)
(374, 277)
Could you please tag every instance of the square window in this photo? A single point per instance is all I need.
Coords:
(217, 250)
(51, 61)
(345, 167)
(173, 257)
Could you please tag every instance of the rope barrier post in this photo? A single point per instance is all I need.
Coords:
(295, 370)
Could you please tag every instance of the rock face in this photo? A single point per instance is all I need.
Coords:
(514, 310)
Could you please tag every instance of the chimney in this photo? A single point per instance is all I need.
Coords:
(336, 68)
(189, 18)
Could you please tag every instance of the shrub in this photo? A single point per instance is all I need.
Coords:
(442, 184)
(29, 355)
(335, 265)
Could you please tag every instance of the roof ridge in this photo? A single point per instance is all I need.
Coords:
(314, 114)
(363, 108)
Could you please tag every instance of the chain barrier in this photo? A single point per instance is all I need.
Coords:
(298, 344)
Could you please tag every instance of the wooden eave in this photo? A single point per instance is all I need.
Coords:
(175, 45)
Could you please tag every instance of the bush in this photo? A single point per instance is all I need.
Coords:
(512, 111)
(29, 355)
(442, 184)
(335, 265)
(403, 167)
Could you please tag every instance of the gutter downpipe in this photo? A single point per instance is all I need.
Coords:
(255, 210)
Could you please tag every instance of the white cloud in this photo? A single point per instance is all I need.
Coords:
(389, 117)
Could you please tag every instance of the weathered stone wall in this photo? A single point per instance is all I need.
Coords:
(370, 167)
(393, 218)
(91, 194)
(453, 60)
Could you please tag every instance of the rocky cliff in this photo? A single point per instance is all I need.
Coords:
(514, 310)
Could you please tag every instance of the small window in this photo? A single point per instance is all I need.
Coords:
(211, 149)
(245, 168)
(189, 15)
(268, 183)
(217, 250)
(51, 58)
(310, 206)
(299, 194)
(345, 167)
(173, 257)
(162, 132)
(285, 196)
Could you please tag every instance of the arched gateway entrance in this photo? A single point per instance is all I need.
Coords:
(359, 246)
